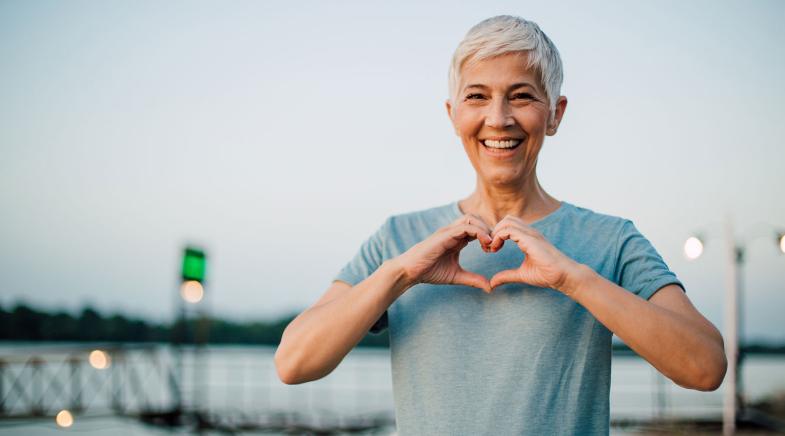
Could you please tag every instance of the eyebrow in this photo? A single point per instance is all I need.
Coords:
(514, 86)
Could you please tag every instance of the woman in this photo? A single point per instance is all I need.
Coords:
(532, 353)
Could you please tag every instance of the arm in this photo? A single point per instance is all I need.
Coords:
(315, 342)
(666, 330)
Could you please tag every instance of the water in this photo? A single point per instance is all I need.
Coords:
(240, 381)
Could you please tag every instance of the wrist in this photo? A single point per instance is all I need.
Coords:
(398, 276)
(577, 279)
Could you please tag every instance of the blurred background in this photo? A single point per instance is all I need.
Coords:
(274, 137)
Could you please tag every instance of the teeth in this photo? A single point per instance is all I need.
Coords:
(510, 143)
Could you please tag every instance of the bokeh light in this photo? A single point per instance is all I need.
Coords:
(99, 359)
(693, 248)
(192, 291)
(782, 243)
(64, 419)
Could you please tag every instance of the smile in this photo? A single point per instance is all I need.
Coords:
(503, 144)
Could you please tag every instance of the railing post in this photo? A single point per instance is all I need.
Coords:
(175, 378)
(2, 390)
(117, 382)
(37, 398)
(76, 384)
(730, 325)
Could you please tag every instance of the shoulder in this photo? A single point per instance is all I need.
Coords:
(618, 234)
(588, 220)
(424, 220)
(401, 231)
(600, 239)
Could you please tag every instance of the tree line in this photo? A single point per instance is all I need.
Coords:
(25, 323)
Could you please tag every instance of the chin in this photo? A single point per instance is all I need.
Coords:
(503, 177)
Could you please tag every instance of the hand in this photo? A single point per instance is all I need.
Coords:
(435, 259)
(544, 266)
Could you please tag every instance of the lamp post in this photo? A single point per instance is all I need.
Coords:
(191, 293)
(693, 248)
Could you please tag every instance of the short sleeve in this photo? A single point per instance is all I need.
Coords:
(365, 262)
(639, 268)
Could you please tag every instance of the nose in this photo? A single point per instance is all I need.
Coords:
(498, 115)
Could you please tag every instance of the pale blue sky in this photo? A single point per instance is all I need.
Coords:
(280, 135)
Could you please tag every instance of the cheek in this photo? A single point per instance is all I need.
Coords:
(466, 123)
(534, 120)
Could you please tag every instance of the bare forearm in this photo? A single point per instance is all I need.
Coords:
(691, 355)
(315, 342)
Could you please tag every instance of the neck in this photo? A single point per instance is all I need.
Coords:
(527, 201)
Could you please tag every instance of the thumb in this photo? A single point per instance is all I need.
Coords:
(474, 280)
(506, 276)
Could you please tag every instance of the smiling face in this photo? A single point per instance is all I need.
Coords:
(501, 113)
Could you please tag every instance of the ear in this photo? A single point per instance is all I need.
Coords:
(555, 121)
(448, 106)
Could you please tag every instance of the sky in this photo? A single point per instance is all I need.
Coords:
(280, 135)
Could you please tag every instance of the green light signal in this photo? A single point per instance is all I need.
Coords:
(194, 264)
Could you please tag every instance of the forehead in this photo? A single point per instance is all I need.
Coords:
(499, 72)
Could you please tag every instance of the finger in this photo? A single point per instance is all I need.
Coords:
(504, 222)
(514, 233)
(463, 231)
(497, 241)
(456, 229)
(478, 221)
(516, 225)
(474, 280)
(474, 220)
(506, 276)
(500, 235)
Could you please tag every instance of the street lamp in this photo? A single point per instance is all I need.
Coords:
(693, 248)
(193, 272)
(191, 293)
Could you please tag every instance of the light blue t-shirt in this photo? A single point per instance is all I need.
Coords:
(522, 360)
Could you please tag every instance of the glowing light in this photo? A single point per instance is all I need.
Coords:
(99, 359)
(693, 248)
(192, 291)
(64, 419)
(782, 243)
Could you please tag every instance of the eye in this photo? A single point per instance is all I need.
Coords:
(475, 96)
(523, 95)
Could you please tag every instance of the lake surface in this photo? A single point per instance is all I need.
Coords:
(239, 382)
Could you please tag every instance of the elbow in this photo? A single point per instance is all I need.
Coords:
(297, 362)
(703, 371)
(286, 370)
(709, 383)
(294, 368)
(713, 377)
(712, 372)
(287, 360)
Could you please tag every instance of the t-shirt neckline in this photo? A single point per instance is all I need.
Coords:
(456, 209)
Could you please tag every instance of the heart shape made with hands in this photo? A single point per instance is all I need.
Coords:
(543, 265)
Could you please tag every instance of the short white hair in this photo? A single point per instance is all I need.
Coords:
(503, 34)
